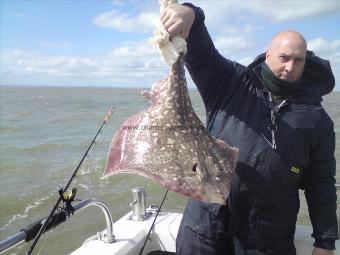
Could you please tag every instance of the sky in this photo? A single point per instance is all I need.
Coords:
(107, 43)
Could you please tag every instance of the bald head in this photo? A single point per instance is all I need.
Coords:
(288, 38)
(286, 55)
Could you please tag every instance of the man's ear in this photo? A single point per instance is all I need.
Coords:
(267, 55)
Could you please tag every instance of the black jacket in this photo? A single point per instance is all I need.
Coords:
(264, 200)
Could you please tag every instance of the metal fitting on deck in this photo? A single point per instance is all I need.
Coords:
(138, 204)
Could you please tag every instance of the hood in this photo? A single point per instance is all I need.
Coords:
(318, 71)
(317, 78)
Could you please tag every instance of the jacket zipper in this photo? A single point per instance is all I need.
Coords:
(274, 114)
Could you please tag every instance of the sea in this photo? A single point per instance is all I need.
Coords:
(44, 133)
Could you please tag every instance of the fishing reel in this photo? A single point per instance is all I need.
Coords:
(68, 197)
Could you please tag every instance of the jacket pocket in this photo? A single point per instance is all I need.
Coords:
(211, 207)
(206, 220)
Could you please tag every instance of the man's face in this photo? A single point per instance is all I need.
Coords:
(286, 57)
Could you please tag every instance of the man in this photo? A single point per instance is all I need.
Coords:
(271, 111)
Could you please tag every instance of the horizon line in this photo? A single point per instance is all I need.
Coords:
(82, 86)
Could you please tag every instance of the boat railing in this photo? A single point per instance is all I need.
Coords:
(31, 231)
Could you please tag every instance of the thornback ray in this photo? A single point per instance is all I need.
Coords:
(169, 144)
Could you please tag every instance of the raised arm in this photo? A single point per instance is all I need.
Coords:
(210, 71)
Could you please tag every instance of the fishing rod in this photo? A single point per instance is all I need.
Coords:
(68, 197)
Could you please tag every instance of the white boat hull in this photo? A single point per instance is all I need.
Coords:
(130, 237)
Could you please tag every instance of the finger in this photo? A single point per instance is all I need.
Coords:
(164, 12)
(168, 24)
(165, 17)
(174, 29)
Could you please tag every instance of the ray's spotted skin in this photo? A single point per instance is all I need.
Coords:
(169, 144)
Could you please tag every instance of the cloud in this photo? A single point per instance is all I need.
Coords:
(21, 62)
(246, 61)
(285, 11)
(241, 35)
(275, 11)
(118, 2)
(217, 13)
(329, 50)
(60, 45)
(131, 64)
(323, 47)
(230, 44)
(126, 22)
